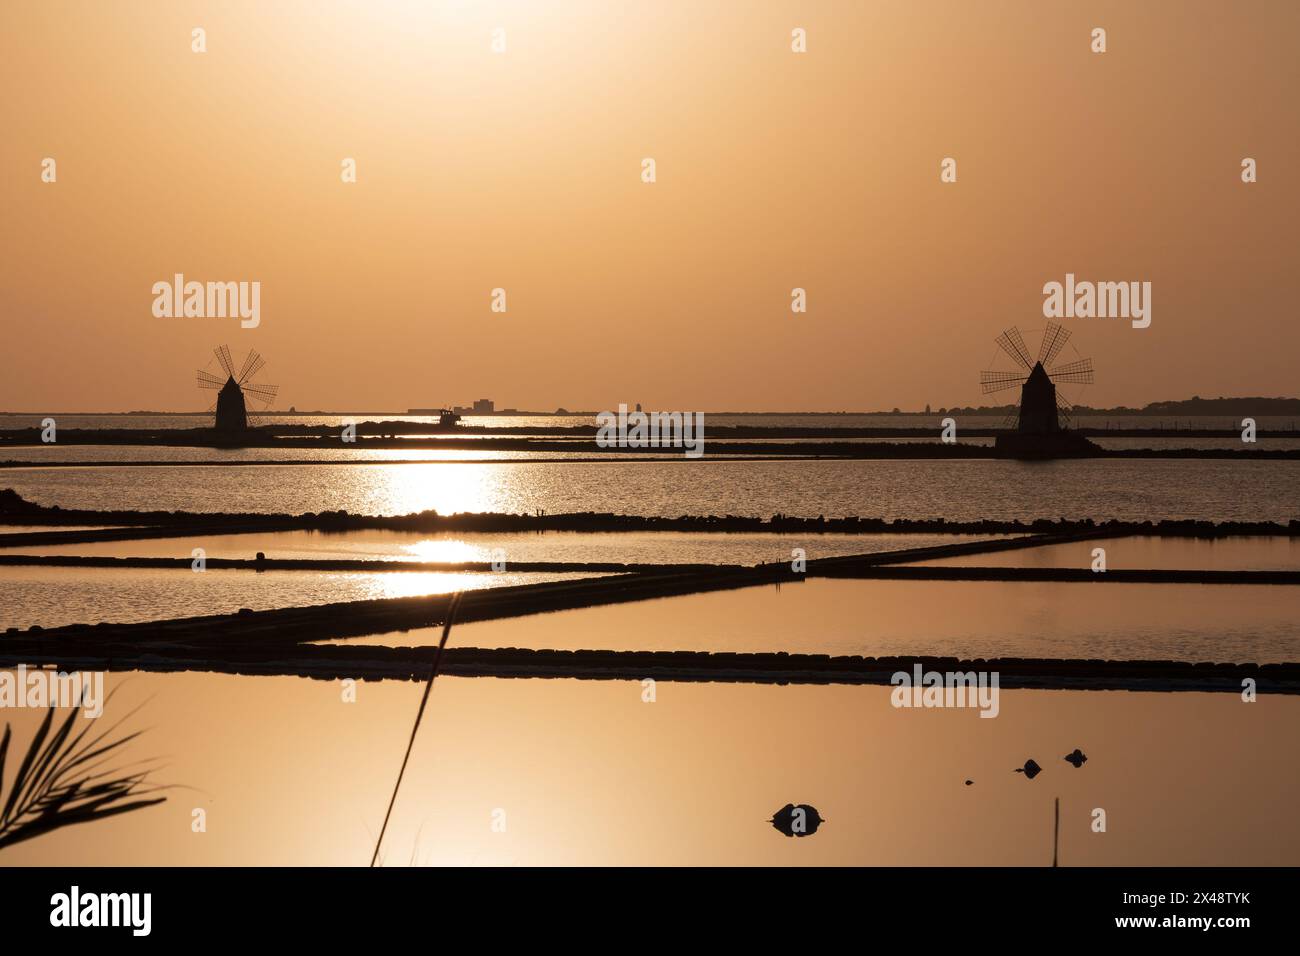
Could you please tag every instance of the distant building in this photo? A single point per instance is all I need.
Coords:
(484, 406)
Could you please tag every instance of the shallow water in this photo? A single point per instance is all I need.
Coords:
(658, 547)
(286, 772)
(966, 619)
(53, 597)
(963, 490)
(1254, 553)
(24, 528)
(179, 455)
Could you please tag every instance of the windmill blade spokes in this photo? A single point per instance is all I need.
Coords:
(1064, 408)
(252, 363)
(263, 393)
(997, 381)
(1082, 365)
(1054, 340)
(223, 356)
(1075, 378)
(1013, 344)
(1012, 419)
(1080, 372)
(208, 380)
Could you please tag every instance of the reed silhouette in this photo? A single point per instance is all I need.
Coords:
(63, 780)
(452, 606)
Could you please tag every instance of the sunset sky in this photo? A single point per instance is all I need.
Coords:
(522, 170)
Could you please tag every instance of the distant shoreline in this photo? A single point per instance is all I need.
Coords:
(1192, 407)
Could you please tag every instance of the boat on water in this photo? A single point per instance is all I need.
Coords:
(447, 418)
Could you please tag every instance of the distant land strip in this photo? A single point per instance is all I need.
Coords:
(714, 448)
(1273, 405)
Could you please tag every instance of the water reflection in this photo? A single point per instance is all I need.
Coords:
(657, 547)
(1224, 490)
(1253, 553)
(588, 773)
(963, 619)
(52, 597)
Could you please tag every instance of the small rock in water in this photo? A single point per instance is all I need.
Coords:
(1030, 769)
(801, 821)
(1078, 758)
(969, 782)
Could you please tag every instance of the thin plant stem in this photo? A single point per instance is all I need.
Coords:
(452, 606)
(1056, 833)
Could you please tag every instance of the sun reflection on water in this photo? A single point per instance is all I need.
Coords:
(418, 583)
(445, 488)
(445, 549)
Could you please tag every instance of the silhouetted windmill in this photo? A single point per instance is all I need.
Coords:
(1037, 421)
(232, 410)
(1041, 405)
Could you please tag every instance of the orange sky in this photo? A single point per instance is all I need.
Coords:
(521, 170)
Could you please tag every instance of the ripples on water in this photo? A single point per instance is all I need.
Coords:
(1138, 489)
(568, 546)
(53, 597)
(964, 619)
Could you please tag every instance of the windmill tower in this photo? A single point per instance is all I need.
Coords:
(233, 391)
(1037, 422)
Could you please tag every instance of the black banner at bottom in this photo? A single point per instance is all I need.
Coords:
(332, 905)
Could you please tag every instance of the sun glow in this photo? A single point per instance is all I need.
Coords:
(444, 488)
(445, 550)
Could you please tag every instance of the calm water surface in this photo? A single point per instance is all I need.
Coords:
(965, 490)
(966, 619)
(1254, 553)
(587, 773)
(52, 597)
(659, 547)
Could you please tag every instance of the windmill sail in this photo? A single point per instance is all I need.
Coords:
(252, 364)
(1013, 344)
(1079, 372)
(998, 381)
(1054, 340)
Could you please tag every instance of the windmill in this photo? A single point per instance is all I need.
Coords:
(1041, 406)
(234, 389)
(1037, 421)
